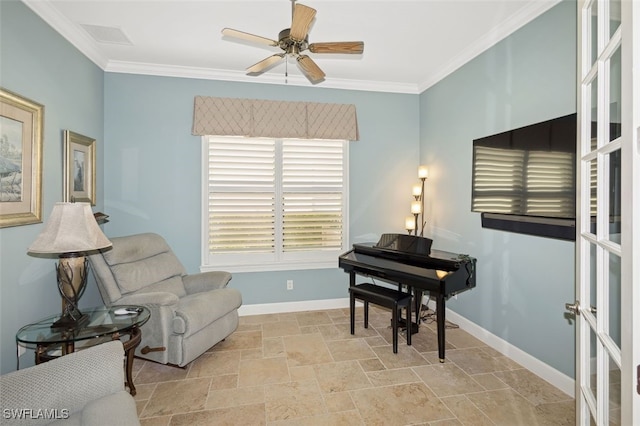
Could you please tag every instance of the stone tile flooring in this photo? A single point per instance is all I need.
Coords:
(305, 368)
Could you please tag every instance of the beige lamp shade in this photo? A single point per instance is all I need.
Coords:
(72, 228)
(410, 223)
(416, 190)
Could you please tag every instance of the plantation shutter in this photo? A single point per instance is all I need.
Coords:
(241, 196)
(273, 196)
(312, 195)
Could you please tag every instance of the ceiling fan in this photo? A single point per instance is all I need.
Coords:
(295, 40)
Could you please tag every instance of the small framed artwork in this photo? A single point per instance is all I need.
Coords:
(79, 168)
(21, 126)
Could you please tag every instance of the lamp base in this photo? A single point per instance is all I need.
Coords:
(71, 273)
(67, 322)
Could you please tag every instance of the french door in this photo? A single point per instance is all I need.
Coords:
(607, 303)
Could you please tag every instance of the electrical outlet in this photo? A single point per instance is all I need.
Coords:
(289, 284)
(21, 350)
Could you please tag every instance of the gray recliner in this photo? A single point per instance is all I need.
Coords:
(189, 313)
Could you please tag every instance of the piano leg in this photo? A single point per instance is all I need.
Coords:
(441, 322)
(352, 312)
(352, 301)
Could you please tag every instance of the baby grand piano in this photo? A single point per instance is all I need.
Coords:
(409, 261)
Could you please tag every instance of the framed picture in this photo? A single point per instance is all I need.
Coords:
(21, 126)
(79, 168)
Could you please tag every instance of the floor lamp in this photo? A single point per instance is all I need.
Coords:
(412, 223)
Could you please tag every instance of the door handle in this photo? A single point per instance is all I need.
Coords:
(574, 308)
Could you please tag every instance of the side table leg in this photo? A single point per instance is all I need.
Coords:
(129, 349)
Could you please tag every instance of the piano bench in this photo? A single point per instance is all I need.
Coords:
(382, 296)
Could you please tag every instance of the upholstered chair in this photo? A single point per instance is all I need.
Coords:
(82, 388)
(189, 313)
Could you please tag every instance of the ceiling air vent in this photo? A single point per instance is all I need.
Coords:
(111, 35)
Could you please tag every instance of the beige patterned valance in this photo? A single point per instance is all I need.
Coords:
(275, 119)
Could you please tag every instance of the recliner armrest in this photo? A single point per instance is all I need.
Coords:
(205, 281)
(162, 298)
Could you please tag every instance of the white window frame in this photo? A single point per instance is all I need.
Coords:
(278, 261)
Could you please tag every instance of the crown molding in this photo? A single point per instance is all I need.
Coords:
(509, 26)
(72, 33)
(238, 76)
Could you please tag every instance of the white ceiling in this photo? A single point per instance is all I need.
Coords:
(409, 45)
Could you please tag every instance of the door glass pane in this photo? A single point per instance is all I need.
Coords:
(615, 301)
(615, 196)
(615, 389)
(593, 298)
(615, 95)
(593, 31)
(614, 16)
(594, 114)
(591, 364)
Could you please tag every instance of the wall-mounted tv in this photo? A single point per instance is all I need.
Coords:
(524, 180)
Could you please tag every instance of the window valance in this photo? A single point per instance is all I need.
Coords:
(274, 119)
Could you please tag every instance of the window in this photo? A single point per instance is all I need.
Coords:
(273, 204)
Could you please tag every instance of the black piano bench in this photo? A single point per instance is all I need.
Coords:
(382, 296)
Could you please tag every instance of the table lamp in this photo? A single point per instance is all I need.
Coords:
(71, 232)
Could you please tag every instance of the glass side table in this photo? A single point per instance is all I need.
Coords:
(103, 324)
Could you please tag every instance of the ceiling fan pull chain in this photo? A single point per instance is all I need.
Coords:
(286, 69)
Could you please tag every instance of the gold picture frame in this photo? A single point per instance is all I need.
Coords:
(21, 129)
(79, 168)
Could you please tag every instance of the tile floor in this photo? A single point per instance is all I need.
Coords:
(305, 368)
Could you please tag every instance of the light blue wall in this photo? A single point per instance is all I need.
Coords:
(523, 281)
(37, 63)
(149, 172)
(153, 170)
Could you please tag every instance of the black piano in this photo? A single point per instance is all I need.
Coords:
(409, 261)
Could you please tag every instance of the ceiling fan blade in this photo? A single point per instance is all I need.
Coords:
(310, 69)
(302, 17)
(265, 64)
(229, 32)
(351, 47)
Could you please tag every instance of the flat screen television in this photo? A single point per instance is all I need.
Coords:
(524, 180)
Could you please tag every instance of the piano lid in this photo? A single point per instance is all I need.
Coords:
(412, 250)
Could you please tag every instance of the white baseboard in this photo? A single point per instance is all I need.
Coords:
(306, 305)
(558, 379)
